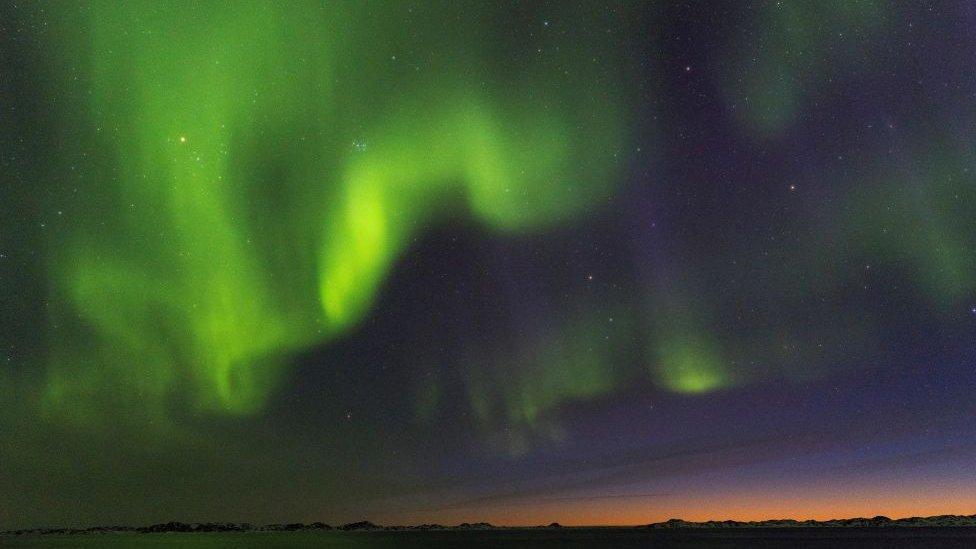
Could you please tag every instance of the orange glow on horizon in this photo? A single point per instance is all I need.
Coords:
(743, 507)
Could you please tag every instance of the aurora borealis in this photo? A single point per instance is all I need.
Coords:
(462, 261)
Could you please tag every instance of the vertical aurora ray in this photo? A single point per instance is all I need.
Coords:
(515, 396)
(172, 286)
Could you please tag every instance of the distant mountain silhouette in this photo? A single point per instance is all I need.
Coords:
(875, 522)
(361, 525)
(178, 527)
(475, 526)
(879, 521)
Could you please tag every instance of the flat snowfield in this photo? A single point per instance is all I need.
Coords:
(793, 538)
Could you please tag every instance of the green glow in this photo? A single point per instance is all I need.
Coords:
(681, 355)
(517, 394)
(690, 364)
(352, 271)
(575, 365)
(793, 45)
(920, 222)
(257, 169)
(524, 174)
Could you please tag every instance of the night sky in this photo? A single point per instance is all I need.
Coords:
(460, 261)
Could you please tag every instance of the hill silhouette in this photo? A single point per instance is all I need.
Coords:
(183, 527)
(876, 522)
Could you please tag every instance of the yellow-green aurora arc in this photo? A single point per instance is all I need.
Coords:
(251, 171)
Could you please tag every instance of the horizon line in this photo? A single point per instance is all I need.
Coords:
(367, 524)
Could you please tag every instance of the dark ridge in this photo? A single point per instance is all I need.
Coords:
(361, 525)
(475, 526)
(177, 527)
(240, 527)
(876, 522)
